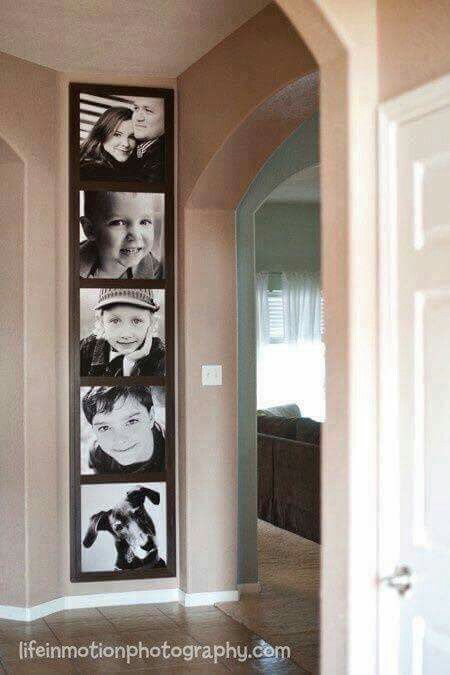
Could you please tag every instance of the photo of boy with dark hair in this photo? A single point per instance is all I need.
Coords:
(127, 438)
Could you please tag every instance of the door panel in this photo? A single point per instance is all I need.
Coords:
(414, 474)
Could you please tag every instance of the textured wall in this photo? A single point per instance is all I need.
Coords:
(237, 104)
(287, 237)
(62, 332)
(28, 125)
(12, 438)
(413, 37)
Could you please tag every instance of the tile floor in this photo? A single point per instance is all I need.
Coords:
(285, 612)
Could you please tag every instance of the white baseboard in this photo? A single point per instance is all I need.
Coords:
(32, 613)
(128, 598)
(110, 599)
(247, 589)
(198, 599)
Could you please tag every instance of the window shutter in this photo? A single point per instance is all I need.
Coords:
(276, 316)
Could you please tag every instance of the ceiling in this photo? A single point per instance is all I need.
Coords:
(303, 186)
(138, 37)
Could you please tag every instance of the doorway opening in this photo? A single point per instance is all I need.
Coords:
(281, 384)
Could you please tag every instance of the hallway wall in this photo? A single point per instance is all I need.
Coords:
(287, 237)
(233, 112)
(12, 437)
(28, 123)
(412, 43)
(62, 332)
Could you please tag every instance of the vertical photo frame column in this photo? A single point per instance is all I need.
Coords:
(122, 398)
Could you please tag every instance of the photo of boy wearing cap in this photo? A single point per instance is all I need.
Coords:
(124, 435)
(123, 233)
(124, 342)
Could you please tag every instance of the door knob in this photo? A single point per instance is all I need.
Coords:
(400, 580)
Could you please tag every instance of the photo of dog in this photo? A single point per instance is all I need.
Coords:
(129, 534)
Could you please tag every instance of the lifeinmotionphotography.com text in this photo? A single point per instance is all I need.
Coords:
(97, 650)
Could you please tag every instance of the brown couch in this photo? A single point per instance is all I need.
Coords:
(289, 474)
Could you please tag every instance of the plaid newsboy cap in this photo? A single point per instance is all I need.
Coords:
(141, 297)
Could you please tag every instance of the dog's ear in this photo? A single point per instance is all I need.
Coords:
(137, 496)
(99, 521)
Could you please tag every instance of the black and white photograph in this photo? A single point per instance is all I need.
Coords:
(123, 527)
(121, 235)
(122, 332)
(122, 138)
(122, 429)
(122, 318)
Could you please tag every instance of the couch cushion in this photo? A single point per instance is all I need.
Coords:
(283, 427)
(288, 410)
(307, 430)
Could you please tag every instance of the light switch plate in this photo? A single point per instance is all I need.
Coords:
(211, 376)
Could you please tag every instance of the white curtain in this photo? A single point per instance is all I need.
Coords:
(292, 371)
(301, 306)
(262, 332)
(262, 309)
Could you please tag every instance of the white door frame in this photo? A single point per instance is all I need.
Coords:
(392, 115)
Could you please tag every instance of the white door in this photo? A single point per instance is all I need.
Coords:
(414, 478)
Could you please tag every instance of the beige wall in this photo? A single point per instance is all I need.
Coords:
(28, 125)
(12, 440)
(224, 86)
(62, 333)
(230, 120)
(342, 37)
(35, 414)
(413, 43)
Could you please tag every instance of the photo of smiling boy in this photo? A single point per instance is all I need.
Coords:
(120, 431)
(124, 234)
(126, 337)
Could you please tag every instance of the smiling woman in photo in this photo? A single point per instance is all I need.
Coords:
(106, 152)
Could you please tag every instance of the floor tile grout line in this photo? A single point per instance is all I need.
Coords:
(52, 631)
(266, 640)
(107, 619)
(131, 617)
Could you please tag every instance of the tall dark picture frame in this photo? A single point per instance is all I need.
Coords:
(98, 98)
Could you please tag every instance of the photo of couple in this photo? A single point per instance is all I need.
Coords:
(121, 235)
(122, 138)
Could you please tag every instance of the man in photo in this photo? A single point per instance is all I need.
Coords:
(148, 126)
(127, 437)
(120, 236)
(124, 342)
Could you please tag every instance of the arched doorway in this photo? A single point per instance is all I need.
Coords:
(298, 151)
(345, 48)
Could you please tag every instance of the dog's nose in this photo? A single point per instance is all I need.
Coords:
(119, 527)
